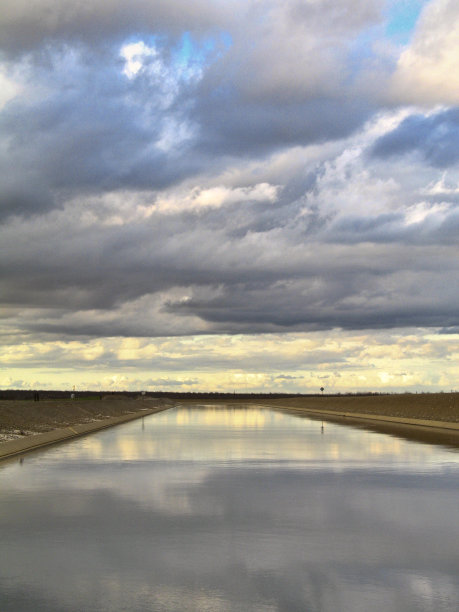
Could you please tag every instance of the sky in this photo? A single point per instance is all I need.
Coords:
(229, 195)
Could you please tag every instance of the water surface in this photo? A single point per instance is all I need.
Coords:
(220, 509)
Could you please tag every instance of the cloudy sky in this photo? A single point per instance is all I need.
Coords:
(229, 194)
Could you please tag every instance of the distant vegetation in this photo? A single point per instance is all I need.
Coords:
(20, 394)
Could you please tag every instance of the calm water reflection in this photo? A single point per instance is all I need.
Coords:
(220, 510)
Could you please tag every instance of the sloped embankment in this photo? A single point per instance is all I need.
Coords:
(23, 418)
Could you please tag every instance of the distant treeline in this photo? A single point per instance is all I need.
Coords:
(20, 394)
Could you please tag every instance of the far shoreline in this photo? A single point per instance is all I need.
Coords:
(427, 418)
(417, 430)
(431, 418)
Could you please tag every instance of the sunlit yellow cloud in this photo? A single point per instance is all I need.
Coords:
(297, 362)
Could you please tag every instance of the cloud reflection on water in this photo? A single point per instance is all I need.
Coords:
(233, 518)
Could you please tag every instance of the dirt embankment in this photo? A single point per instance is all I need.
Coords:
(19, 418)
(22, 419)
(422, 406)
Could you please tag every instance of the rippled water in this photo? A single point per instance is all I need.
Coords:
(220, 509)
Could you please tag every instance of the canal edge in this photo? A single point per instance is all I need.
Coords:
(19, 446)
(444, 426)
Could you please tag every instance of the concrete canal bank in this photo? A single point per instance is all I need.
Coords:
(28, 425)
(429, 417)
(424, 417)
(33, 417)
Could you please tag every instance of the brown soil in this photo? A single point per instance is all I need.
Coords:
(19, 418)
(425, 406)
(24, 417)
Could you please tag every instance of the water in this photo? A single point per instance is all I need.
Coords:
(218, 510)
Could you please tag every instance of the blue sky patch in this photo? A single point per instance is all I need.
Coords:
(402, 19)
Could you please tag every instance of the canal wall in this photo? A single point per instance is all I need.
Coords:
(371, 417)
(421, 430)
(18, 446)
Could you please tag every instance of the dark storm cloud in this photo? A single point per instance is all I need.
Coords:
(287, 88)
(295, 306)
(94, 135)
(100, 266)
(17, 199)
(227, 270)
(449, 330)
(25, 26)
(112, 175)
(435, 137)
(392, 227)
(87, 136)
(238, 125)
(94, 129)
(151, 256)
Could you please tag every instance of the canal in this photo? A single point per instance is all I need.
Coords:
(220, 509)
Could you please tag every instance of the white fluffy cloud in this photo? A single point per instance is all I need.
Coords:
(224, 169)
(427, 71)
